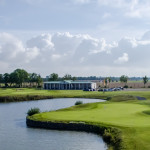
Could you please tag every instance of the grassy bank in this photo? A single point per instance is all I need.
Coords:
(22, 94)
(132, 117)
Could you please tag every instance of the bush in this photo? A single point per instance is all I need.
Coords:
(108, 98)
(33, 111)
(113, 137)
(78, 102)
(39, 87)
(126, 86)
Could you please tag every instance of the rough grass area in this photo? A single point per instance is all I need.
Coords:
(22, 94)
(131, 117)
(33, 111)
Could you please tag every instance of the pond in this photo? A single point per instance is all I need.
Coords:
(15, 135)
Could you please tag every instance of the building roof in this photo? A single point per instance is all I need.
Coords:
(68, 82)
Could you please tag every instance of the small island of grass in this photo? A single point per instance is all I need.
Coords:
(126, 122)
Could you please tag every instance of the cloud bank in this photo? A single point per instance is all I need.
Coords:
(79, 54)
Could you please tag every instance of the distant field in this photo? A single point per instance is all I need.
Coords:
(131, 84)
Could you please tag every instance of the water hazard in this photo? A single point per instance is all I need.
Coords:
(15, 135)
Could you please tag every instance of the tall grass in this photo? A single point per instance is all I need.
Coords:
(33, 111)
(78, 102)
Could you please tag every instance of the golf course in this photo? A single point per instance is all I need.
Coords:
(123, 112)
(124, 116)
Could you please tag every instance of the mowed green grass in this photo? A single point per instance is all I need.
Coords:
(117, 114)
(116, 95)
(132, 117)
(53, 93)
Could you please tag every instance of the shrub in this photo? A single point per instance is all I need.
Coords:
(126, 86)
(78, 102)
(108, 98)
(39, 87)
(113, 137)
(33, 111)
(107, 136)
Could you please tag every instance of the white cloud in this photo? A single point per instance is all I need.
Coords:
(12, 50)
(4, 66)
(43, 42)
(31, 53)
(55, 57)
(10, 47)
(64, 51)
(146, 36)
(122, 59)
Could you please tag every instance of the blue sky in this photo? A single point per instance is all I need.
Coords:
(95, 17)
(96, 37)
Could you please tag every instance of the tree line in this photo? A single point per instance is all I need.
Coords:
(124, 79)
(20, 78)
(55, 77)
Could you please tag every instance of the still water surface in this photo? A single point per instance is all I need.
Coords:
(15, 135)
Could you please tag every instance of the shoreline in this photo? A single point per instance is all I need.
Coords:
(110, 135)
(6, 99)
(19, 98)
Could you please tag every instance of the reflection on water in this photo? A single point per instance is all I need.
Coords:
(15, 135)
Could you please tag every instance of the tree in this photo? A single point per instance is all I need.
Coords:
(53, 77)
(35, 78)
(67, 77)
(1, 79)
(124, 79)
(74, 78)
(39, 80)
(145, 80)
(12, 78)
(105, 82)
(20, 76)
(109, 79)
(32, 78)
(6, 78)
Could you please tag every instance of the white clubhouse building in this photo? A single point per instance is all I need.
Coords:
(69, 85)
